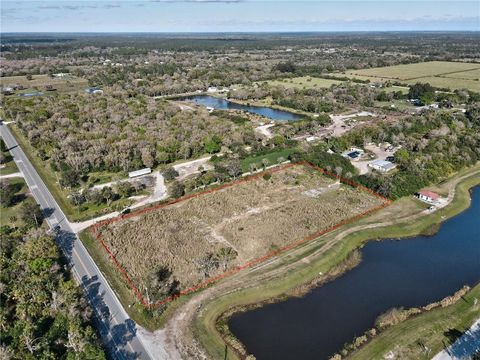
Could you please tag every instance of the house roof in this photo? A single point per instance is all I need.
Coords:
(430, 194)
(383, 164)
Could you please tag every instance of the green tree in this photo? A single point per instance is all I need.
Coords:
(213, 145)
(473, 114)
(234, 168)
(382, 96)
(70, 178)
(427, 98)
(124, 189)
(42, 314)
(7, 193)
(31, 214)
(176, 189)
(402, 156)
(417, 90)
(170, 173)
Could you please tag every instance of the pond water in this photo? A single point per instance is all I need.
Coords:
(222, 104)
(409, 273)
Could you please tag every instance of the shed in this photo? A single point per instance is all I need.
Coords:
(140, 172)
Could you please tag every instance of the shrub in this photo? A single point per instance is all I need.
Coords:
(177, 189)
(170, 173)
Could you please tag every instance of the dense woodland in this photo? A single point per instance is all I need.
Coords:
(125, 129)
(43, 314)
(79, 134)
(81, 137)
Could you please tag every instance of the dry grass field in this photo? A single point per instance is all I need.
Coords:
(452, 75)
(204, 236)
(467, 75)
(305, 82)
(38, 82)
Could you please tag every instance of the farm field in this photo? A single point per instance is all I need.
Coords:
(467, 75)
(39, 82)
(182, 244)
(306, 82)
(446, 74)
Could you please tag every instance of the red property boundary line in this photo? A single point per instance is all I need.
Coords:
(94, 229)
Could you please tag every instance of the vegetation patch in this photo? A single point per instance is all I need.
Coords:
(421, 336)
(211, 336)
(444, 74)
(44, 83)
(305, 82)
(168, 251)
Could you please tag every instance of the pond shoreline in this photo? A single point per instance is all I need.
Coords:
(303, 289)
(270, 113)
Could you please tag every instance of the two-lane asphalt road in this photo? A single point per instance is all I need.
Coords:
(117, 330)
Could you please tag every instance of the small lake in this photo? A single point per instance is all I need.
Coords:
(409, 273)
(222, 104)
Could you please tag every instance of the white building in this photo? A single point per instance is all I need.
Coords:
(427, 196)
(140, 172)
(382, 165)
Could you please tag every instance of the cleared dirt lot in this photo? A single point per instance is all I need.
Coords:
(204, 236)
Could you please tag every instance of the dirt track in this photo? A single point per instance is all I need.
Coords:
(179, 327)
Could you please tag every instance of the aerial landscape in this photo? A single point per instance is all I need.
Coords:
(233, 180)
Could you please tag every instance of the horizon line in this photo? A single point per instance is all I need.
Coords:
(241, 32)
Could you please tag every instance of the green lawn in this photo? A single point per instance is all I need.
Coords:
(394, 88)
(7, 214)
(408, 339)
(8, 168)
(272, 158)
(206, 323)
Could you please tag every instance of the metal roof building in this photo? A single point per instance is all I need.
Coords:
(140, 172)
(382, 165)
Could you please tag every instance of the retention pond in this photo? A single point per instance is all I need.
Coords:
(222, 104)
(407, 273)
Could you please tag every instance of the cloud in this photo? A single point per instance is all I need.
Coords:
(78, 7)
(199, 1)
(111, 6)
(53, 7)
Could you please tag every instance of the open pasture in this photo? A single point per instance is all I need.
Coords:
(467, 75)
(38, 83)
(207, 235)
(304, 82)
(452, 75)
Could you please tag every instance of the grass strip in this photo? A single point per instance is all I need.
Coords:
(205, 324)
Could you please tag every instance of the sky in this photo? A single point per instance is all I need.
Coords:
(238, 15)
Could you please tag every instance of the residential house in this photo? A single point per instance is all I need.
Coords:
(427, 195)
